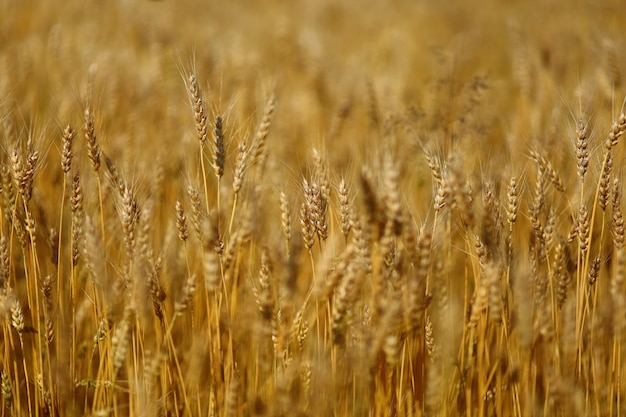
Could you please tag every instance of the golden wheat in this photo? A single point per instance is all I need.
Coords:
(455, 172)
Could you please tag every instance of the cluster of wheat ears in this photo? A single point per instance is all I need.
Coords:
(223, 245)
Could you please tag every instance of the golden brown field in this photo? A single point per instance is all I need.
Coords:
(312, 208)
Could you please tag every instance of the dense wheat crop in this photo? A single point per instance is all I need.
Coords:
(312, 208)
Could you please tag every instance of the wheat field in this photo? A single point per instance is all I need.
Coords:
(312, 208)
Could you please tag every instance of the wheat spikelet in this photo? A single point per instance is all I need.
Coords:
(337, 271)
(157, 292)
(560, 275)
(8, 193)
(318, 205)
(305, 377)
(241, 165)
(538, 204)
(66, 153)
(93, 149)
(219, 151)
(76, 199)
(17, 168)
(308, 232)
(115, 179)
(76, 207)
(46, 290)
(197, 105)
(594, 270)
(549, 229)
(605, 181)
(196, 212)
(308, 216)
(5, 264)
(5, 387)
(260, 138)
(181, 222)
(582, 151)
(392, 201)
(440, 197)
(129, 215)
(303, 331)
(582, 227)
(285, 221)
(231, 249)
(263, 294)
(23, 174)
(344, 208)
(435, 167)
(30, 225)
(436, 170)
(101, 333)
(549, 170)
(19, 227)
(320, 173)
(144, 242)
(429, 337)
(17, 319)
(617, 130)
(617, 224)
